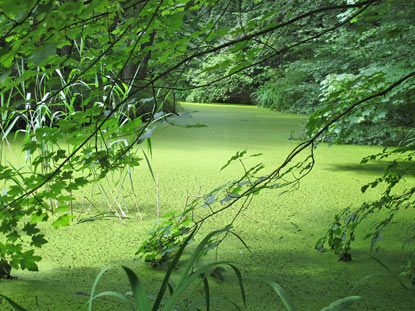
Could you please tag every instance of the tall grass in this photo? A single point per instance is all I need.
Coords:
(53, 100)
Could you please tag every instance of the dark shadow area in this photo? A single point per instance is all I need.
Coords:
(310, 279)
(377, 168)
(319, 279)
(69, 288)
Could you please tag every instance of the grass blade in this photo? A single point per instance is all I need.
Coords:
(241, 284)
(341, 304)
(13, 304)
(171, 286)
(149, 166)
(170, 269)
(187, 281)
(242, 241)
(117, 295)
(94, 286)
(10, 128)
(281, 292)
(207, 292)
(199, 249)
(150, 149)
(184, 284)
(138, 290)
(366, 278)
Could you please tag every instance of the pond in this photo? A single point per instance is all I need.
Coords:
(281, 230)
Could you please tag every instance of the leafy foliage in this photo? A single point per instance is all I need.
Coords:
(292, 89)
(98, 73)
(234, 89)
(63, 81)
(373, 124)
(323, 77)
(52, 179)
(166, 238)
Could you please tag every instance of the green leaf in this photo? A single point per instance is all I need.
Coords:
(237, 156)
(30, 229)
(199, 249)
(241, 240)
(4, 76)
(62, 221)
(138, 290)
(238, 68)
(28, 261)
(6, 58)
(207, 292)
(241, 285)
(238, 46)
(95, 284)
(364, 188)
(218, 273)
(38, 240)
(184, 284)
(39, 57)
(197, 125)
(149, 165)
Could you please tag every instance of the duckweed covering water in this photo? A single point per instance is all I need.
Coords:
(281, 230)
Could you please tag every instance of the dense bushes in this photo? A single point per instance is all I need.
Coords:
(291, 90)
(235, 89)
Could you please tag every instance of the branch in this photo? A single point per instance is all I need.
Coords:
(259, 33)
(21, 22)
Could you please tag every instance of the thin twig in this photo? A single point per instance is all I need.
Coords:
(157, 198)
(302, 146)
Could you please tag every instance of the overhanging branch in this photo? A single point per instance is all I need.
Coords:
(304, 145)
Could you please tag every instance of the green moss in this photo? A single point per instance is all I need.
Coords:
(281, 230)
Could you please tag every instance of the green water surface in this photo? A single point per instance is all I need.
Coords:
(280, 229)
